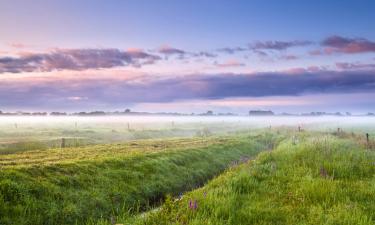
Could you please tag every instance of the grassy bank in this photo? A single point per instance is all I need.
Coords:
(75, 185)
(310, 179)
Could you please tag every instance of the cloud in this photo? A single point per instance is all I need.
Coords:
(302, 70)
(277, 45)
(258, 47)
(77, 98)
(167, 50)
(260, 53)
(338, 44)
(263, 84)
(354, 66)
(75, 59)
(230, 63)
(316, 52)
(117, 93)
(289, 57)
(17, 45)
(205, 54)
(182, 54)
(231, 50)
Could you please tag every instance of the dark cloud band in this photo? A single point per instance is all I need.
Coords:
(192, 87)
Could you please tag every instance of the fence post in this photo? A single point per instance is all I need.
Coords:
(62, 142)
(367, 138)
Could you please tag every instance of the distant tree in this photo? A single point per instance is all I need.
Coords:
(97, 113)
(260, 113)
(127, 111)
(39, 113)
(58, 114)
(209, 112)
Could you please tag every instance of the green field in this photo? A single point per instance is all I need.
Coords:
(19, 134)
(190, 172)
(321, 179)
(75, 185)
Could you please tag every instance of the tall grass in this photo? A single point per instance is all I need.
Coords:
(21, 146)
(318, 179)
(82, 185)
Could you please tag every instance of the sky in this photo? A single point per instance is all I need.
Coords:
(187, 56)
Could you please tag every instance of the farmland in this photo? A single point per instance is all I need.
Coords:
(323, 179)
(188, 171)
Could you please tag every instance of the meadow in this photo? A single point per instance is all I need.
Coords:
(25, 133)
(321, 179)
(176, 170)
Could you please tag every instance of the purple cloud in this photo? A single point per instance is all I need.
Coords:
(75, 59)
(277, 45)
(338, 44)
(260, 53)
(355, 66)
(289, 57)
(231, 50)
(205, 54)
(167, 50)
(199, 86)
(230, 63)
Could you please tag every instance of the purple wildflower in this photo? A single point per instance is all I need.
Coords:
(195, 204)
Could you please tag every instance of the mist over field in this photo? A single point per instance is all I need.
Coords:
(43, 132)
(121, 126)
(171, 122)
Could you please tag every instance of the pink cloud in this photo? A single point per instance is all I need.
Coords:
(297, 70)
(230, 63)
(302, 70)
(17, 45)
(77, 98)
(355, 66)
(338, 44)
(316, 52)
(289, 57)
(75, 59)
(168, 50)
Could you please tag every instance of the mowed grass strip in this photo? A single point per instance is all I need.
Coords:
(69, 155)
(311, 180)
(77, 185)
